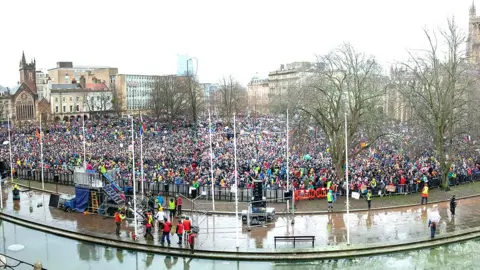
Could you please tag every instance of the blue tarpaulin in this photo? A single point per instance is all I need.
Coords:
(81, 198)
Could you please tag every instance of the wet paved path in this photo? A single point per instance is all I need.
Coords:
(217, 232)
(308, 206)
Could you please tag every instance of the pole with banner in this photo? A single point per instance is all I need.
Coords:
(211, 159)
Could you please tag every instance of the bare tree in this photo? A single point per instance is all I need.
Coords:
(117, 100)
(195, 96)
(233, 97)
(98, 101)
(169, 97)
(344, 81)
(441, 92)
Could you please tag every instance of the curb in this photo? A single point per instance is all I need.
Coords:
(297, 255)
(296, 213)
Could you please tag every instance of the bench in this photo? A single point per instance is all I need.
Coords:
(293, 239)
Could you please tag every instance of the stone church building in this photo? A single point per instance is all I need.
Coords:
(24, 102)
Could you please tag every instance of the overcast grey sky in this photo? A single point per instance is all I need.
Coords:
(228, 37)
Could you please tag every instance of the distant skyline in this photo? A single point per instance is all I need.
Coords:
(241, 38)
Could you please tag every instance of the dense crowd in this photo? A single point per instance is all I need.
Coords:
(179, 153)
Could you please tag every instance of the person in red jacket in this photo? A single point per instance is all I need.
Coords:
(119, 217)
(187, 226)
(179, 205)
(191, 240)
(167, 227)
(179, 231)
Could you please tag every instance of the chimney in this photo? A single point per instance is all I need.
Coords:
(83, 83)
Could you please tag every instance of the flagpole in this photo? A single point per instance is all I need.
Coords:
(133, 181)
(84, 144)
(10, 149)
(236, 179)
(346, 181)
(41, 152)
(141, 152)
(288, 176)
(211, 159)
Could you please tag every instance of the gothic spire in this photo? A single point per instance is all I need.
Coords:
(473, 10)
(24, 61)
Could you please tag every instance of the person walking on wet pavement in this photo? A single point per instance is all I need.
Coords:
(187, 227)
(369, 199)
(178, 203)
(453, 205)
(171, 208)
(425, 193)
(433, 220)
(191, 241)
(119, 217)
(179, 231)
(330, 201)
(148, 225)
(167, 227)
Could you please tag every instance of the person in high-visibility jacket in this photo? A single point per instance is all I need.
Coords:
(330, 200)
(425, 193)
(119, 217)
(171, 208)
(369, 199)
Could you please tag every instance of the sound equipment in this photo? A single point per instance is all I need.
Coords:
(54, 200)
(287, 194)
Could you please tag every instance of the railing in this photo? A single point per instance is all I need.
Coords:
(221, 193)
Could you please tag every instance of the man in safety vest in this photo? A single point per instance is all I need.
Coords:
(369, 198)
(330, 201)
(171, 208)
(425, 193)
(148, 225)
(119, 217)
(187, 226)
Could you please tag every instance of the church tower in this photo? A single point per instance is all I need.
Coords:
(28, 73)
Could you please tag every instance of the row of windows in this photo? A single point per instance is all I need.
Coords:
(78, 98)
(77, 108)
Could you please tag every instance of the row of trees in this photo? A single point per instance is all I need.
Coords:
(184, 97)
(437, 84)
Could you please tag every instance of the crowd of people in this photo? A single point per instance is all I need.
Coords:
(180, 153)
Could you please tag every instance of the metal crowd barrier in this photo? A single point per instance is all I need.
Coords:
(221, 193)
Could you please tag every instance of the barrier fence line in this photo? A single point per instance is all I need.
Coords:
(224, 193)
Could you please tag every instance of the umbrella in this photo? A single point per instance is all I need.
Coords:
(435, 216)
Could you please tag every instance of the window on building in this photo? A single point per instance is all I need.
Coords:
(64, 110)
(56, 99)
(78, 98)
(63, 99)
(98, 97)
(78, 108)
(71, 98)
(56, 109)
(71, 108)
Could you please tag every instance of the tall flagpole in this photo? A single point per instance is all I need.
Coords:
(41, 152)
(346, 180)
(141, 152)
(236, 179)
(133, 181)
(10, 148)
(84, 144)
(287, 171)
(211, 159)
